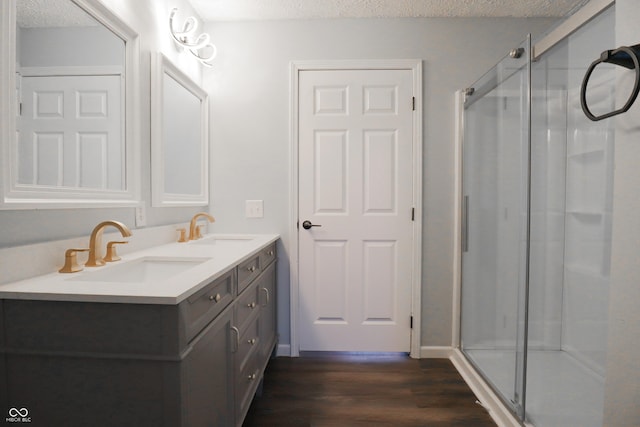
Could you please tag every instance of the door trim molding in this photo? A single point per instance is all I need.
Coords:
(457, 219)
(415, 65)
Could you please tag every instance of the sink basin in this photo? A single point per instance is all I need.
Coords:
(223, 240)
(143, 270)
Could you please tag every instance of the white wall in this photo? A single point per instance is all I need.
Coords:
(622, 386)
(250, 122)
(150, 18)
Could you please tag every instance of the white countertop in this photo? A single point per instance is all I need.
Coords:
(216, 259)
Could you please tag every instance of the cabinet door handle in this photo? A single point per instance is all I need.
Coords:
(252, 268)
(270, 253)
(215, 298)
(234, 329)
(251, 305)
(252, 341)
(251, 377)
(266, 291)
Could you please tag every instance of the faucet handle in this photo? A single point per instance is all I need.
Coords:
(71, 261)
(111, 251)
(183, 235)
(198, 232)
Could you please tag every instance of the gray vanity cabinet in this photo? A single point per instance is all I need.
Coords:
(197, 363)
(85, 363)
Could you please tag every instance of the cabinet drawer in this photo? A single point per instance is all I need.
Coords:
(249, 342)
(246, 385)
(267, 255)
(203, 306)
(247, 307)
(247, 271)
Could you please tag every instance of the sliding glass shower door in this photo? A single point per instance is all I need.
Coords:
(495, 206)
(537, 226)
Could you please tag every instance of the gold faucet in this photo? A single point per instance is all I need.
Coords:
(95, 242)
(193, 234)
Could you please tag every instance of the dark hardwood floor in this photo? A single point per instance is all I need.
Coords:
(364, 390)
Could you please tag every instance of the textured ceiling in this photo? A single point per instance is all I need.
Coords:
(51, 13)
(241, 10)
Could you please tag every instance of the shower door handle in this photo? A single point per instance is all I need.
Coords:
(465, 224)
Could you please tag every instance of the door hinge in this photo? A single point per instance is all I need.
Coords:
(20, 109)
(411, 322)
(413, 214)
(413, 103)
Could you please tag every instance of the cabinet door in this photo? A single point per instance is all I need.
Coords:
(208, 375)
(267, 289)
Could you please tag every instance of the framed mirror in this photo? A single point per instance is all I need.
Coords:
(179, 137)
(69, 94)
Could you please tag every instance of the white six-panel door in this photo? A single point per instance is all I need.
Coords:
(71, 133)
(356, 185)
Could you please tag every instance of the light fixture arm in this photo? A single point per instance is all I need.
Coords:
(200, 46)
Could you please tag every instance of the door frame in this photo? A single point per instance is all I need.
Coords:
(415, 66)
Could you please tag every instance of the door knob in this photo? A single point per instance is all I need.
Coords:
(307, 225)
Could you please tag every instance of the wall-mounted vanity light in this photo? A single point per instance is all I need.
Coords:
(200, 46)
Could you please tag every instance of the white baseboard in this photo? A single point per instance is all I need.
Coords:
(486, 396)
(436, 352)
(283, 350)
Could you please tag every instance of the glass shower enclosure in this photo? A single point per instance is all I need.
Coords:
(537, 199)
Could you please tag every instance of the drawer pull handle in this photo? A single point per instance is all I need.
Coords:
(251, 377)
(252, 341)
(270, 253)
(234, 329)
(266, 291)
(252, 268)
(251, 305)
(215, 298)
